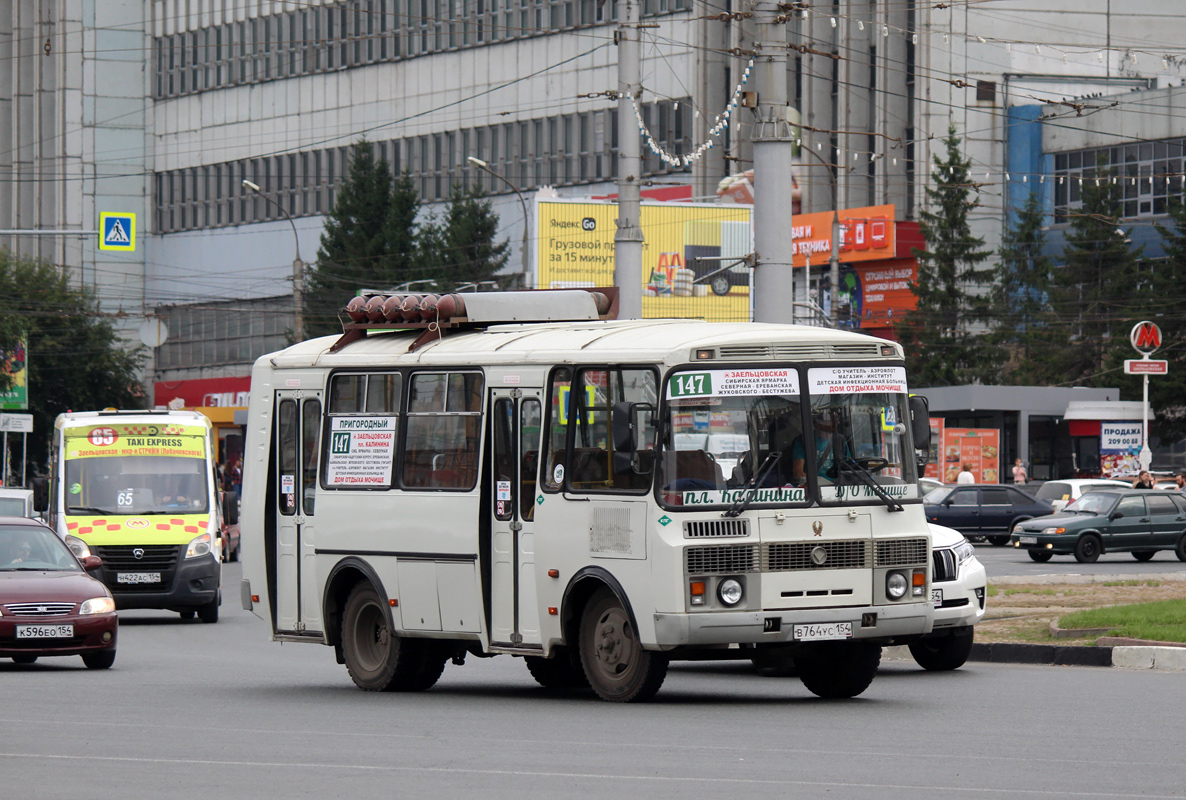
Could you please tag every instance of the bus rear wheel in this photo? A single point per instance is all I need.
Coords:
(377, 659)
(836, 670)
(617, 666)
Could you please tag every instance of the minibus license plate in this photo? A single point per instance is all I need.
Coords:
(138, 577)
(937, 597)
(1028, 539)
(817, 632)
(44, 631)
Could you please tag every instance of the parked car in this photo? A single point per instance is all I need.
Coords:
(1059, 493)
(1137, 521)
(987, 510)
(16, 502)
(49, 605)
(958, 586)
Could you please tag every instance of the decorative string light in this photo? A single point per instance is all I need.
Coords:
(719, 125)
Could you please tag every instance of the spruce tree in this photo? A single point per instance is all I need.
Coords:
(401, 233)
(355, 244)
(1020, 308)
(1098, 289)
(941, 347)
(465, 236)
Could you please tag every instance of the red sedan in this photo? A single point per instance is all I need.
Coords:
(49, 605)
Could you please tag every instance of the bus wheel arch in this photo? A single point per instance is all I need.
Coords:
(581, 588)
(342, 579)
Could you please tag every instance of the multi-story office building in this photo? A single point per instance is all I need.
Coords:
(164, 107)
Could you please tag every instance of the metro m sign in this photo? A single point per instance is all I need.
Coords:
(1145, 337)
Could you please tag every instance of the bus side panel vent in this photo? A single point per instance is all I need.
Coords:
(712, 528)
(612, 535)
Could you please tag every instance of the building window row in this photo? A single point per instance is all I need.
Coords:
(222, 333)
(553, 151)
(359, 32)
(1149, 173)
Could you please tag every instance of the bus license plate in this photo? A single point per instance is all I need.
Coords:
(819, 632)
(44, 631)
(1028, 539)
(138, 577)
(937, 597)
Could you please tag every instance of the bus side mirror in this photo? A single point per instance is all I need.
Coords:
(40, 495)
(920, 424)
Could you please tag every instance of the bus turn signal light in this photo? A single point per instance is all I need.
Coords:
(553, 573)
(393, 602)
(697, 590)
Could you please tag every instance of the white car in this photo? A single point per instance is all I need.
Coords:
(958, 589)
(1059, 493)
(16, 503)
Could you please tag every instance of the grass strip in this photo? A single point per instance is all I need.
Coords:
(1162, 621)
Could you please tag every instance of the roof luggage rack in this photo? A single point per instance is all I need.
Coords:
(434, 315)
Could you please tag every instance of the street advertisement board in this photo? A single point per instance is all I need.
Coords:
(576, 250)
(935, 462)
(1120, 447)
(866, 234)
(14, 365)
(878, 293)
(978, 448)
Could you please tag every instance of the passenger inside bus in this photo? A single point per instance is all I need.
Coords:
(827, 443)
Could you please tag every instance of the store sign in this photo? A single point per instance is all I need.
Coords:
(866, 234)
(978, 448)
(204, 393)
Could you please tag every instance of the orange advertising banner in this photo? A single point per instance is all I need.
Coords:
(866, 234)
(977, 448)
(936, 453)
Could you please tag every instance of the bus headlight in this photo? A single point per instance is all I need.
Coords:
(730, 591)
(77, 546)
(896, 585)
(198, 547)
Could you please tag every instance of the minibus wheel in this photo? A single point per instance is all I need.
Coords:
(617, 666)
(377, 659)
(837, 670)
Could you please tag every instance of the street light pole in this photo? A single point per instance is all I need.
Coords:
(298, 267)
(526, 256)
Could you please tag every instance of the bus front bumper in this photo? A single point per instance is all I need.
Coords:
(871, 623)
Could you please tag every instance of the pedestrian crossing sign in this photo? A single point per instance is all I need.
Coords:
(117, 231)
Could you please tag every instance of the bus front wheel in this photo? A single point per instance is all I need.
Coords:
(837, 670)
(377, 659)
(617, 666)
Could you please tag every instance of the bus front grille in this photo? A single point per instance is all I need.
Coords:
(706, 528)
(787, 556)
(721, 559)
(902, 552)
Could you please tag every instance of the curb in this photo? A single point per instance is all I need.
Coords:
(1045, 654)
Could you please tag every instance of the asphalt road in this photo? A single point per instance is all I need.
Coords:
(1009, 562)
(218, 710)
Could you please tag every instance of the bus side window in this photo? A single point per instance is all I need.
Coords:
(311, 429)
(557, 431)
(529, 432)
(444, 417)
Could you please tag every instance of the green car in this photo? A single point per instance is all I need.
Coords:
(1138, 521)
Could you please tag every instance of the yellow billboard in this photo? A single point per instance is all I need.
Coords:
(692, 255)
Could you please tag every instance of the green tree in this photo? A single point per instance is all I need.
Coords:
(942, 348)
(1098, 289)
(460, 246)
(1020, 308)
(401, 234)
(76, 359)
(359, 232)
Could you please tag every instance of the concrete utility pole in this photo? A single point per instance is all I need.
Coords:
(628, 238)
(773, 284)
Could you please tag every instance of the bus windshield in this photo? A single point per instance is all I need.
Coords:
(136, 485)
(856, 447)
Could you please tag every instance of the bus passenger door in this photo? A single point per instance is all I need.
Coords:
(298, 428)
(516, 421)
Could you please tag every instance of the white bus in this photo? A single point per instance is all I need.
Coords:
(521, 475)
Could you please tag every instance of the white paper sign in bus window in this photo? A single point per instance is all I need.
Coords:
(857, 380)
(360, 451)
(733, 383)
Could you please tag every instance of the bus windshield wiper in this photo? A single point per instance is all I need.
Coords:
(866, 477)
(89, 510)
(748, 491)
